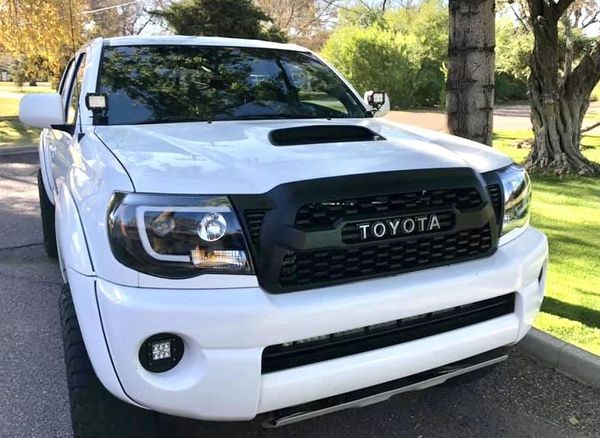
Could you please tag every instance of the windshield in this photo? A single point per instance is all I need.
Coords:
(161, 84)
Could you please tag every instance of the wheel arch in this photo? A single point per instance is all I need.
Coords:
(70, 235)
(45, 168)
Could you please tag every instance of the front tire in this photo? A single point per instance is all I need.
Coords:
(47, 213)
(96, 413)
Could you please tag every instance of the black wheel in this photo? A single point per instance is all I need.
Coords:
(47, 210)
(96, 413)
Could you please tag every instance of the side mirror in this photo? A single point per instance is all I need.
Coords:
(42, 110)
(378, 101)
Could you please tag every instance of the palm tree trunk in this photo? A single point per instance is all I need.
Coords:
(470, 84)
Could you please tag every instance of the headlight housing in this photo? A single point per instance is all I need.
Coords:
(517, 198)
(177, 236)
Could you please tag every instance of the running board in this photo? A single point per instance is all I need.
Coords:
(359, 399)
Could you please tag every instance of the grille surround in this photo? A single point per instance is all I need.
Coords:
(496, 197)
(277, 234)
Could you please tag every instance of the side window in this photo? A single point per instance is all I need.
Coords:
(65, 82)
(75, 92)
(67, 73)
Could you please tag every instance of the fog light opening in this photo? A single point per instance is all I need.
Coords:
(161, 352)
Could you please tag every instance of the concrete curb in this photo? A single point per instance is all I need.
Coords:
(565, 358)
(18, 150)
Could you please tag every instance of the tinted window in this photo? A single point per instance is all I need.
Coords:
(154, 84)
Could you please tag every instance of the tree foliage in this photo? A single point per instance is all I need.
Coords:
(110, 18)
(42, 31)
(306, 22)
(226, 18)
(400, 50)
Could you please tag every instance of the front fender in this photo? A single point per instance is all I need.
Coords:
(70, 235)
(45, 165)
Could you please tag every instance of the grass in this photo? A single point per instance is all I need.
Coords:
(12, 131)
(566, 210)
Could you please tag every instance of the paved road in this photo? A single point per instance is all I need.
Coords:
(506, 117)
(520, 399)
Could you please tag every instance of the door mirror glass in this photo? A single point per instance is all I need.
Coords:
(378, 102)
(42, 110)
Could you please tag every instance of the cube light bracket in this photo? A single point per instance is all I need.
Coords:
(161, 352)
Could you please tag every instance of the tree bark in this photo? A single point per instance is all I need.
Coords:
(558, 104)
(470, 84)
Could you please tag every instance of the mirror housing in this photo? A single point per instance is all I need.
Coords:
(378, 102)
(42, 110)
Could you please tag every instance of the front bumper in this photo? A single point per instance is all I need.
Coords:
(226, 330)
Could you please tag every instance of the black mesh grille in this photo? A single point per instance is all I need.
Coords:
(333, 265)
(319, 214)
(496, 196)
(254, 219)
(359, 340)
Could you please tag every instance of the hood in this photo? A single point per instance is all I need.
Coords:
(238, 157)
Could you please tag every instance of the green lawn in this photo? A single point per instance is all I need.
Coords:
(12, 131)
(568, 211)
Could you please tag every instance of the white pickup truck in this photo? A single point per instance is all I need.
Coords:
(241, 234)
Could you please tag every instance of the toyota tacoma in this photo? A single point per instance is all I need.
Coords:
(241, 235)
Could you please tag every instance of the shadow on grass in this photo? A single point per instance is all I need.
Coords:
(13, 132)
(581, 187)
(573, 312)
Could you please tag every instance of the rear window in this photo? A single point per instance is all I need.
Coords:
(162, 84)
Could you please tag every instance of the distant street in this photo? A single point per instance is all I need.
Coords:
(520, 399)
(506, 117)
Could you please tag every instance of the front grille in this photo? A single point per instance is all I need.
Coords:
(359, 340)
(326, 231)
(334, 265)
(326, 213)
(495, 193)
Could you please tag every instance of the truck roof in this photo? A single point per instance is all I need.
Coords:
(198, 41)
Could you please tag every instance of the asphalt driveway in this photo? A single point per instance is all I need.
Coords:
(521, 398)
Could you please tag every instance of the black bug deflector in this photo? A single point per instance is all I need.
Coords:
(315, 134)
(294, 251)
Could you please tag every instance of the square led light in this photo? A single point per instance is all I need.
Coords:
(161, 349)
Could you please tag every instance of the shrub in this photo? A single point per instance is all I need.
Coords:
(373, 59)
(401, 52)
(509, 88)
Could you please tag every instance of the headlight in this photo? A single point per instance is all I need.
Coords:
(177, 236)
(517, 198)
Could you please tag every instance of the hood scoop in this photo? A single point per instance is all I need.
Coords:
(314, 134)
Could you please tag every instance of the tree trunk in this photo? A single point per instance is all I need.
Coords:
(470, 85)
(558, 104)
